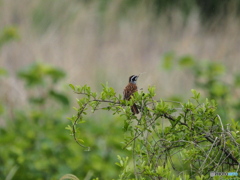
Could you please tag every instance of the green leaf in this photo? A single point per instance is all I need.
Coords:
(129, 148)
(119, 157)
(80, 140)
(120, 97)
(103, 85)
(121, 162)
(216, 68)
(69, 118)
(186, 61)
(194, 92)
(79, 88)
(94, 94)
(55, 73)
(234, 134)
(36, 74)
(75, 108)
(118, 164)
(139, 127)
(72, 86)
(68, 128)
(8, 34)
(60, 97)
(149, 130)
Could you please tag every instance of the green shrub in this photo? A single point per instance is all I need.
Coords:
(186, 141)
(34, 144)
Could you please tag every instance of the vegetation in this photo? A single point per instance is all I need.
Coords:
(194, 142)
(169, 139)
(34, 140)
(176, 137)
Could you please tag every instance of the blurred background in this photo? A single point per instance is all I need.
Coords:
(47, 44)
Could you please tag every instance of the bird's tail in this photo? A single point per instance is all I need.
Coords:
(134, 109)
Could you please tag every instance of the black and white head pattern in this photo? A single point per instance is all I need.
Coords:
(133, 79)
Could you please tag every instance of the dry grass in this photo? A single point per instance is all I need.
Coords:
(94, 50)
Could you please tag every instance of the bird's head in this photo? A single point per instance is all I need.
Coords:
(133, 79)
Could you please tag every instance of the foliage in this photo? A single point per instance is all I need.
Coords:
(47, 13)
(193, 143)
(33, 140)
(123, 163)
(39, 74)
(3, 72)
(8, 34)
(31, 143)
(212, 79)
(35, 145)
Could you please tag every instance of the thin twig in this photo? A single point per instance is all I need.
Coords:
(202, 166)
(73, 128)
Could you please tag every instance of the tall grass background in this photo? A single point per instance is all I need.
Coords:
(104, 41)
(95, 44)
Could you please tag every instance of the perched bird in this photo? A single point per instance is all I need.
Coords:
(129, 90)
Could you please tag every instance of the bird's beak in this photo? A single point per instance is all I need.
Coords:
(140, 74)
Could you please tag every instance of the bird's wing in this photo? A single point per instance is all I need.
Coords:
(129, 90)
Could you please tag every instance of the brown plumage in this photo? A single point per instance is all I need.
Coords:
(129, 90)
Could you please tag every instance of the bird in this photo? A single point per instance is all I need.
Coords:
(129, 90)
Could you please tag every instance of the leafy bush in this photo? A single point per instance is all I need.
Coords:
(34, 144)
(213, 80)
(187, 141)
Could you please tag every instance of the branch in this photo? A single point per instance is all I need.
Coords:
(74, 132)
